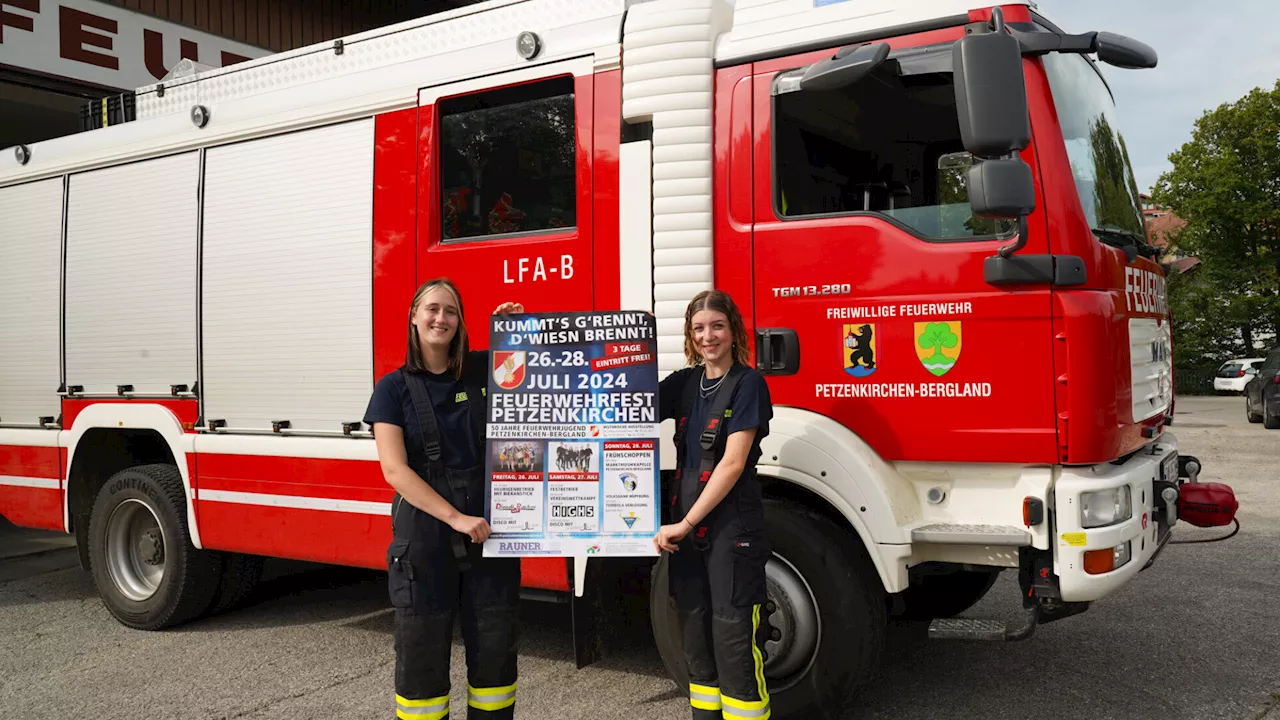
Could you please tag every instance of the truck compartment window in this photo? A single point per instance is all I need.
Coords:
(508, 161)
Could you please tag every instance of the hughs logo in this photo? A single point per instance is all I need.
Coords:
(573, 511)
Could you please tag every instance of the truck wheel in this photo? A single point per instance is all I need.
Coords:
(946, 595)
(140, 553)
(829, 625)
(240, 575)
(1253, 417)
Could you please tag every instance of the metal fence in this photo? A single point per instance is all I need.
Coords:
(1194, 380)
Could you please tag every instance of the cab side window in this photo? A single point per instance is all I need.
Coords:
(889, 144)
(508, 161)
(1272, 363)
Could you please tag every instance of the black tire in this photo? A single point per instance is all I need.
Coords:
(851, 608)
(189, 577)
(945, 595)
(1270, 420)
(1252, 416)
(240, 576)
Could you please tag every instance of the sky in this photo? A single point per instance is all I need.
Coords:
(1210, 53)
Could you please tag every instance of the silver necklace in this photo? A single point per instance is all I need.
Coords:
(708, 391)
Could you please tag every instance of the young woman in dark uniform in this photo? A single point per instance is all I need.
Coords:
(428, 421)
(717, 543)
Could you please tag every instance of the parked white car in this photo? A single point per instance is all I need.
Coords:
(1235, 374)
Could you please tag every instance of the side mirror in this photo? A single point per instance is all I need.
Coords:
(1125, 52)
(1002, 189)
(991, 95)
(846, 67)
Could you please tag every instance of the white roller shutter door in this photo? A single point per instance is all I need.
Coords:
(287, 279)
(131, 276)
(30, 277)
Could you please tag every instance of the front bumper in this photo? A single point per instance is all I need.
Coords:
(1145, 531)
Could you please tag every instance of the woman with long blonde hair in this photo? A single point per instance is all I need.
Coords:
(428, 420)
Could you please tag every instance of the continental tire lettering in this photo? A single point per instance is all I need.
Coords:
(902, 390)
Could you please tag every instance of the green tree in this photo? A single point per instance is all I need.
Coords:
(938, 335)
(1226, 184)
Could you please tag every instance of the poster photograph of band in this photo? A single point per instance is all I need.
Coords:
(572, 461)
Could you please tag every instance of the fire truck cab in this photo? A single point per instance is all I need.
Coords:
(926, 210)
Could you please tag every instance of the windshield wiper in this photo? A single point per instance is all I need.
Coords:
(1119, 238)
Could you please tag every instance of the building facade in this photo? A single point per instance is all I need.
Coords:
(57, 56)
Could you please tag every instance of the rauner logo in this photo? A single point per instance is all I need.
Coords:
(573, 511)
(519, 547)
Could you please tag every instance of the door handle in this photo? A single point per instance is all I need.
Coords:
(777, 351)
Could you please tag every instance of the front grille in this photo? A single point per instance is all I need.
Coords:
(1151, 363)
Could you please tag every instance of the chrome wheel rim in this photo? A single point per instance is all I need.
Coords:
(795, 625)
(135, 550)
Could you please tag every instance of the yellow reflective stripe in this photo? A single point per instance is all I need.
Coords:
(748, 706)
(495, 698)
(401, 700)
(764, 714)
(704, 697)
(735, 709)
(761, 685)
(414, 715)
(436, 708)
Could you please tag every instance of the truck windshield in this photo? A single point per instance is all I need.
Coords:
(1099, 158)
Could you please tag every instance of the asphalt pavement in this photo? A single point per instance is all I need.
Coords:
(1197, 637)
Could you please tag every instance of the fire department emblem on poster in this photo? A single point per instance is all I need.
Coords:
(861, 348)
(938, 345)
(508, 369)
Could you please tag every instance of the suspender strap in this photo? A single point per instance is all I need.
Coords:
(715, 417)
(426, 413)
(715, 421)
(457, 486)
(687, 395)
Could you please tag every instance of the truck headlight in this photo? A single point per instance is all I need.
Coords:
(1105, 507)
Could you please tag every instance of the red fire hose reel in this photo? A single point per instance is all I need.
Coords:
(1204, 504)
(1207, 504)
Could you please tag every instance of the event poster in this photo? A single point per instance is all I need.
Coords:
(572, 458)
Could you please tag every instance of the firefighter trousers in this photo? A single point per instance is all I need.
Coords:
(429, 592)
(719, 589)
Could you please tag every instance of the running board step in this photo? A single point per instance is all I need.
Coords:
(944, 534)
(989, 630)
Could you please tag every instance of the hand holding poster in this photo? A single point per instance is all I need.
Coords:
(572, 461)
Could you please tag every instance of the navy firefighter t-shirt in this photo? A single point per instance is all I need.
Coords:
(750, 407)
(391, 403)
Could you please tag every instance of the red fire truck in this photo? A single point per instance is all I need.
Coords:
(926, 209)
